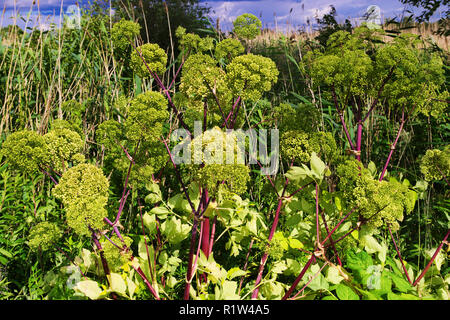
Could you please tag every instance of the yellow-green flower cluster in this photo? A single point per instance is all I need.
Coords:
(435, 164)
(302, 117)
(378, 202)
(43, 236)
(25, 151)
(146, 115)
(57, 124)
(228, 49)
(247, 26)
(114, 256)
(64, 146)
(123, 33)
(297, 146)
(193, 42)
(155, 59)
(221, 178)
(249, 76)
(83, 190)
(110, 134)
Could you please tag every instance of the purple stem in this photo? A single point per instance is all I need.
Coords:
(399, 256)
(341, 115)
(394, 145)
(49, 175)
(266, 254)
(337, 226)
(432, 259)
(299, 277)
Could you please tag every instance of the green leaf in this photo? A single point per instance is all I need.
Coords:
(295, 244)
(345, 293)
(400, 283)
(6, 253)
(160, 211)
(333, 275)
(89, 288)
(229, 290)
(235, 272)
(317, 166)
(117, 283)
(297, 173)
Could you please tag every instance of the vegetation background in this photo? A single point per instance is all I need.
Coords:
(79, 75)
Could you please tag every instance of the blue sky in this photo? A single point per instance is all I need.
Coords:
(280, 13)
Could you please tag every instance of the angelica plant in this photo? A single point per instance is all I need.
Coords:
(148, 56)
(247, 26)
(83, 190)
(44, 235)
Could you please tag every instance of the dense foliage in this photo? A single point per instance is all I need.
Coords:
(95, 204)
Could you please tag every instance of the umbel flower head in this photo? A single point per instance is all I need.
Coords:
(378, 202)
(435, 164)
(114, 256)
(25, 151)
(193, 42)
(221, 172)
(249, 76)
(146, 115)
(123, 33)
(228, 49)
(63, 145)
(247, 26)
(155, 59)
(44, 235)
(83, 190)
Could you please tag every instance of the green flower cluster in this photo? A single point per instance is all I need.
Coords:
(202, 79)
(378, 202)
(57, 124)
(193, 42)
(298, 117)
(83, 190)
(247, 26)
(146, 115)
(43, 236)
(63, 145)
(25, 151)
(123, 33)
(298, 145)
(155, 58)
(116, 257)
(435, 164)
(249, 76)
(228, 49)
(222, 178)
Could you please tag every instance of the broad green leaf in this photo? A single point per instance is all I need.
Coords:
(131, 287)
(439, 260)
(400, 283)
(295, 244)
(345, 293)
(317, 166)
(149, 222)
(333, 275)
(87, 257)
(89, 288)
(297, 173)
(160, 211)
(318, 282)
(6, 253)
(117, 283)
(229, 290)
(235, 272)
